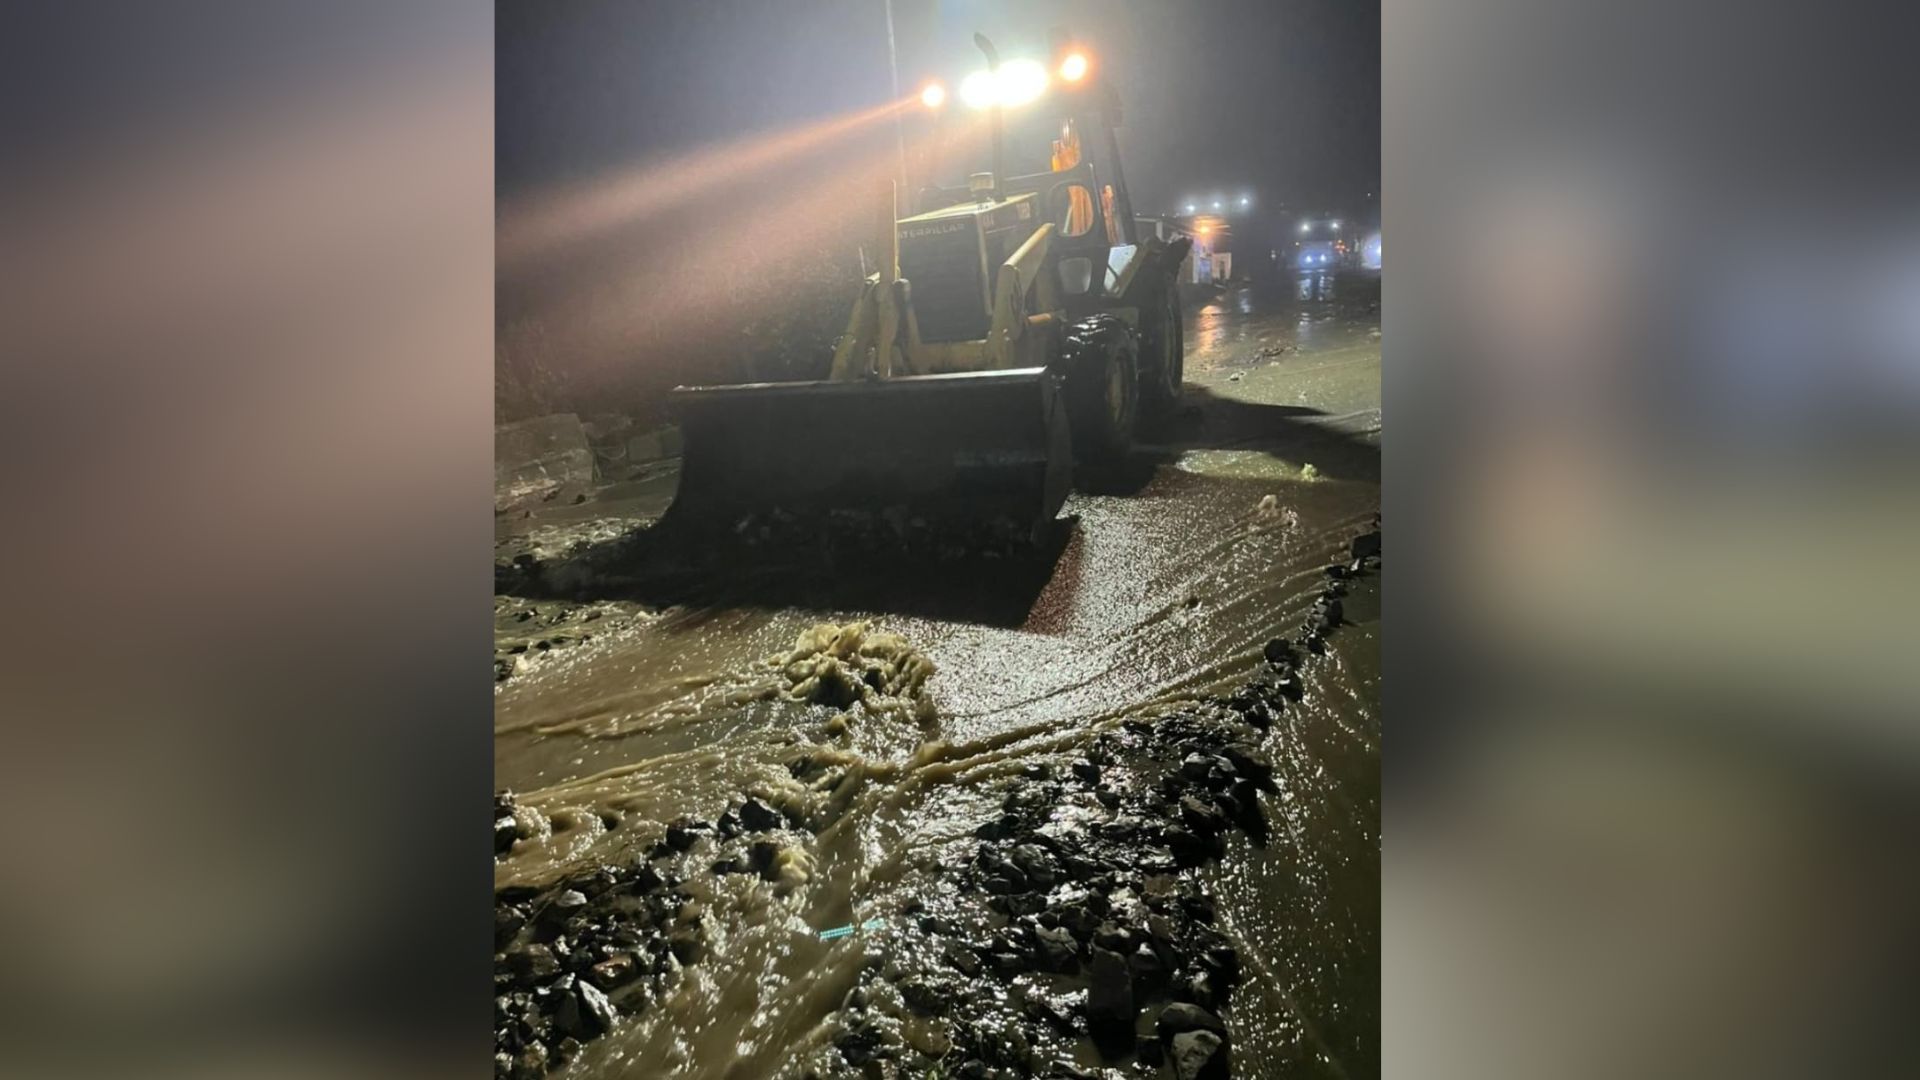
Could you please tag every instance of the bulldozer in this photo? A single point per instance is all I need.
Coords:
(1012, 326)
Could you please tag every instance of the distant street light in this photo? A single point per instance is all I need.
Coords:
(1245, 201)
(1216, 204)
(1306, 226)
(1191, 208)
(1336, 226)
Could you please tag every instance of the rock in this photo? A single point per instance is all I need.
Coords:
(1035, 863)
(1056, 950)
(763, 857)
(1249, 764)
(644, 880)
(685, 944)
(612, 971)
(1086, 770)
(1182, 1016)
(1188, 849)
(1366, 544)
(1196, 766)
(682, 833)
(1198, 1054)
(964, 959)
(1148, 970)
(1110, 1005)
(507, 921)
(532, 963)
(757, 816)
(505, 831)
(1202, 819)
(1279, 652)
(531, 1064)
(1201, 988)
(568, 902)
(584, 1012)
(1327, 613)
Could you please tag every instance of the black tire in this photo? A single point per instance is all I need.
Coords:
(1163, 355)
(1102, 359)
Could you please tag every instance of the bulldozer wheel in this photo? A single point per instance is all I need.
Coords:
(1103, 388)
(1163, 351)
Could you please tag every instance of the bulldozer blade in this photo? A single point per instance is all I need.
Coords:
(934, 453)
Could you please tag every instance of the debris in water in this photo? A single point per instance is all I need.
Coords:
(854, 664)
(874, 923)
(1309, 473)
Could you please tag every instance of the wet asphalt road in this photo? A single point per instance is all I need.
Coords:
(1163, 590)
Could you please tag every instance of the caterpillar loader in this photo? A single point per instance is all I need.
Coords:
(1012, 324)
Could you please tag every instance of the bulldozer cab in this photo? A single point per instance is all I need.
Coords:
(1099, 253)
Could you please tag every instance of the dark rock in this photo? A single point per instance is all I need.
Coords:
(566, 1050)
(1223, 961)
(1197, 1055)
(1148, 969)
(963, 958)
(1056, 951)
(1328, 613)
(1086, 770)
(998, 884)
(505, 831)
(682, 833)
(1108, 797)
(1280, 652)
(685, 944)
(531, 1064)
(1366, 544)
(1037, 771)
(584, 1012)
(1114, 937)
(1035, 863)
(1150, 1052)
(532, 963)
(1196, 766)
(925, 995)
(1249, 763)
(1201, 819)
(1339, 572)
(999, 828)
(1183, 1016)
(507, 921)
(757, 816)
(643, 880)
(612, 971)
(1110, 1005)
(762, 857)
(566, 904)
(1201, 988)
(1187, 848)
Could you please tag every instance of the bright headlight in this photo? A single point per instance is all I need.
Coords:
(1016, 83)
(977, 90)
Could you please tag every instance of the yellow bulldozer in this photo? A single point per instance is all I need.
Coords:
(1010, 327)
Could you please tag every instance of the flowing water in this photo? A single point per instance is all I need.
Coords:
(923, 693)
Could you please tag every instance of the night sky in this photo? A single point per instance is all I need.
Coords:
(1278, 98)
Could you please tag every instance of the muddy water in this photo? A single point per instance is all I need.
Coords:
(1161, 592)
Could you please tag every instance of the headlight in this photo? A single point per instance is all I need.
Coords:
(1016, 83)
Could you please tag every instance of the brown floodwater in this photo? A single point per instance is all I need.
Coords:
(1160, 592)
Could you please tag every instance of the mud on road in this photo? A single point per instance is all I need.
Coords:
(707, 775)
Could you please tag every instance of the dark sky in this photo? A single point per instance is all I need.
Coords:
(1277, 97)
